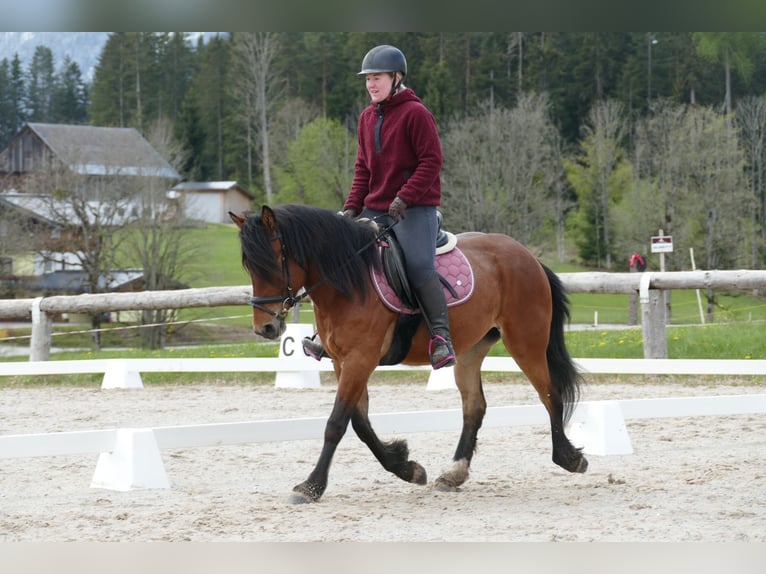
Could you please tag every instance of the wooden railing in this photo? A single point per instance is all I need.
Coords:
(648, 286)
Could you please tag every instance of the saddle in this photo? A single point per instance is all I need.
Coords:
(452, 267)
(394, 290)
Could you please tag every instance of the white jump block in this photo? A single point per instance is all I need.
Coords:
(117, 376)
(441, 379)
(135, 463)
(599, 428)
(290, 347)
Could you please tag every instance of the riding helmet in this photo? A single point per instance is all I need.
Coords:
(384, 58)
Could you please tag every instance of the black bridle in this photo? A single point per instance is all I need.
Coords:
(288, 298)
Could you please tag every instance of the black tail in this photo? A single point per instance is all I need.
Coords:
(564, 374)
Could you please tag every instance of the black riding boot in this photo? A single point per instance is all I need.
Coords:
(312, 347)
(434, 307)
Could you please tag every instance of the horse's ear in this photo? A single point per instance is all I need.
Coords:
(268, 219)
(237, 219)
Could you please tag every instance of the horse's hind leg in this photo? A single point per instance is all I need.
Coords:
(468, 379)
(553, 381)
(392, 455)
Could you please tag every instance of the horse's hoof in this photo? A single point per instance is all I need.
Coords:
(582, 466)
(451, 479)
(419, 475)
(300, 498)
(573, 461)
(444, 486)
(306, 492)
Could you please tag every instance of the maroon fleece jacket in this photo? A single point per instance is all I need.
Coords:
(408, 160)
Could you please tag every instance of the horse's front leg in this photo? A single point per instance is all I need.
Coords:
(352, 374)
(394, 455)
(311, 489)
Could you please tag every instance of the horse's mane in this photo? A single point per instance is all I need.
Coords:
(312, 236)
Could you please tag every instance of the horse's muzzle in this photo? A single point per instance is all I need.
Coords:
(271, 330)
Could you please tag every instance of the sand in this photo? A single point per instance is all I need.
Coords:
(689, 479)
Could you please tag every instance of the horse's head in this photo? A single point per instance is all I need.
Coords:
(265, 259)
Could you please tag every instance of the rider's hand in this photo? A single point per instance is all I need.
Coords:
(397, 208)
(349, 213)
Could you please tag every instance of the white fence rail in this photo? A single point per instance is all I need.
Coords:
(126, 373)
(131, 458)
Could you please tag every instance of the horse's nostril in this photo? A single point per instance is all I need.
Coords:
(269, 331)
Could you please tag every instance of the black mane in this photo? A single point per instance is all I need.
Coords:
(312, 235)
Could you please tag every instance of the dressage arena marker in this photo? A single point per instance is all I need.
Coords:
(290, 348)
(130, 459)
(134, 463)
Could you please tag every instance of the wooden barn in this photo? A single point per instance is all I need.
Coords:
(102, 155)
(211, 201)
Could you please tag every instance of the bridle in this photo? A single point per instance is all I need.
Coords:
(288, 299)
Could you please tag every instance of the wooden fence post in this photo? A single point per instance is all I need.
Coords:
(40, 341)
(653, 320)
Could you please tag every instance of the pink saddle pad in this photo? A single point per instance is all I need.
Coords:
(453, 266)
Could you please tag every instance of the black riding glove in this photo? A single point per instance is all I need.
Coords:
(349, 213)
(397, 208)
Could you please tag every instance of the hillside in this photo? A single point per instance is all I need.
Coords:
(82, 47)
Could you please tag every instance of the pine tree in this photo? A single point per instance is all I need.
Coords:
(112, 91)
(40, 85)
(69, 104)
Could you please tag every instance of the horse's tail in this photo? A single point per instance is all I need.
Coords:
(564, 374)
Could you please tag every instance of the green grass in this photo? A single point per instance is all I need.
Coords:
(723, 341)
(727, 341)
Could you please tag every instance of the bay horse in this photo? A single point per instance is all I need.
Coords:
(516, 298)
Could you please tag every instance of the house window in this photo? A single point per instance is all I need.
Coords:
(6, 265)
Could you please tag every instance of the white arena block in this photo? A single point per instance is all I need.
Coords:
(441, 379)
(599, 428)
(117, 376)
(290, 348)
(135, 463)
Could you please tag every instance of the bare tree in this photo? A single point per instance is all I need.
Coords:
(255, 87)
(750, 119)
(606, 132)
(500, 167)
(89, 217)
(158, 240)
(600, 175)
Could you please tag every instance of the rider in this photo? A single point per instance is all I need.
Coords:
(397, 177)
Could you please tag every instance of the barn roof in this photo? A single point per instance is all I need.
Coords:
(93, 150)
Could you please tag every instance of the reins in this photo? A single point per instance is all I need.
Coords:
(289, 300)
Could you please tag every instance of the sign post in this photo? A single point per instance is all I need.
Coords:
(663, 244)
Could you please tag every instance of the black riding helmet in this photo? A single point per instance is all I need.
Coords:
(384, 58)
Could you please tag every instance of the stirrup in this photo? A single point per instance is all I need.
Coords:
(447, 361)
(313, 349)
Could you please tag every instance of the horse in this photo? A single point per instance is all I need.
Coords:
(293, 250)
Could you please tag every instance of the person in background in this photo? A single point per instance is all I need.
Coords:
(397, 178)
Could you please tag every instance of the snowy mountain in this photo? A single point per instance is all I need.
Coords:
(82, 47)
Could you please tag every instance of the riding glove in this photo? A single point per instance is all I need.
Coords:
(349, 213)
(397, 208)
